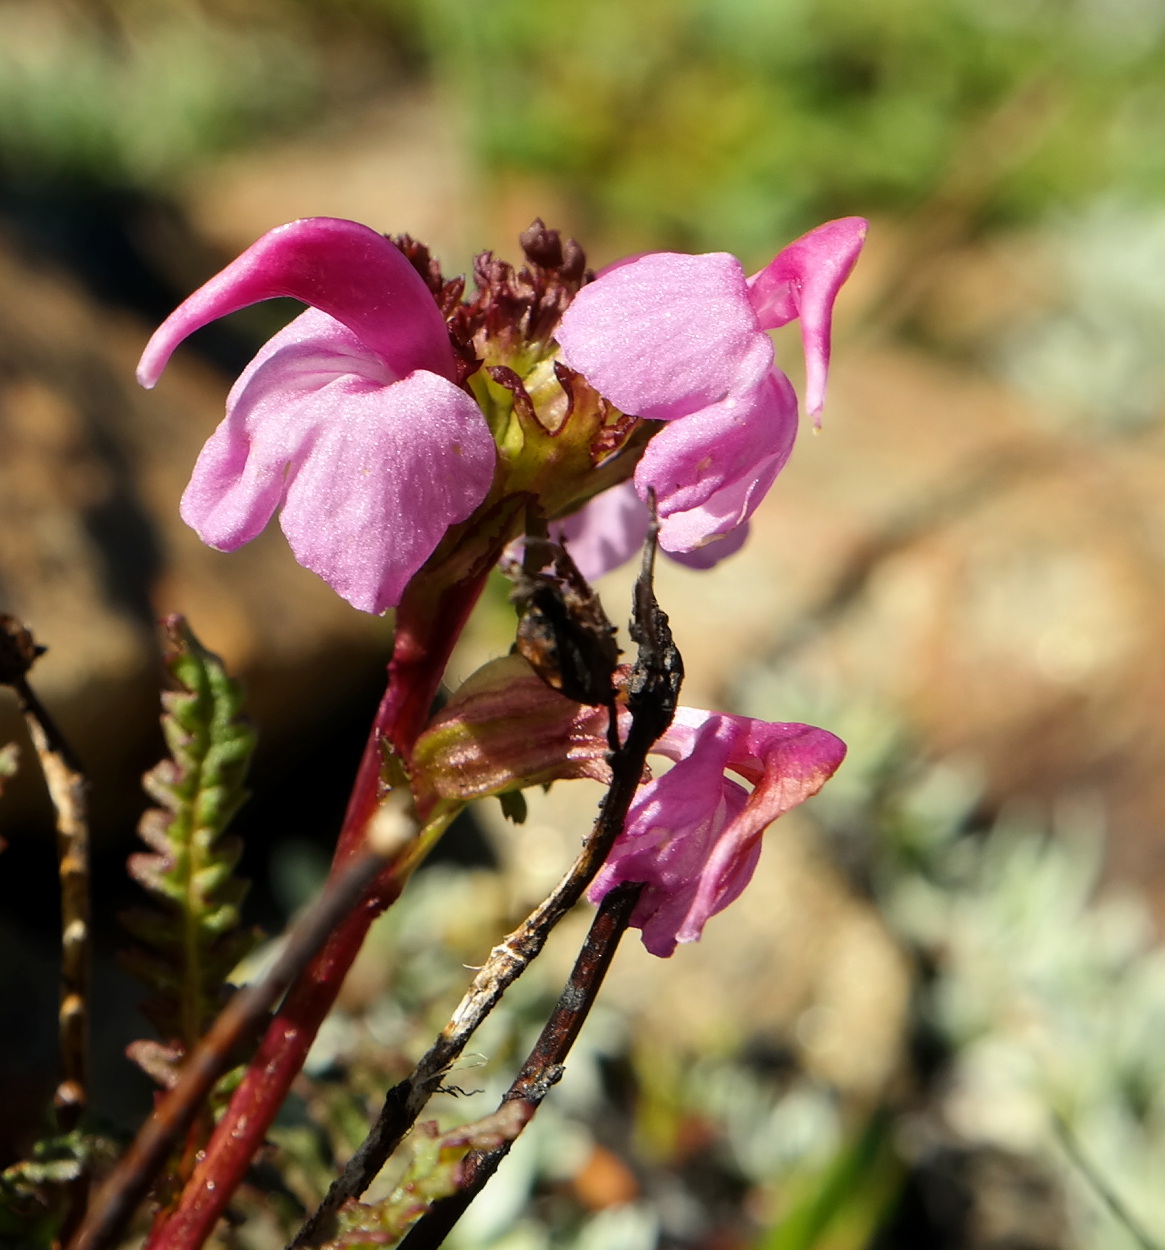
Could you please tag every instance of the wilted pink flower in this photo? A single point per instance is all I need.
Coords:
(693, 836)
(682, 339)
(349, 418)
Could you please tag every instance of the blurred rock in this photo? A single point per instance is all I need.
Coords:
(996, 586)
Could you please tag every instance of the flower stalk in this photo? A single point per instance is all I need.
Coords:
(655, 679)
(429, 622)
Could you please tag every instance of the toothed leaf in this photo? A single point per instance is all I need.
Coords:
(191, 937)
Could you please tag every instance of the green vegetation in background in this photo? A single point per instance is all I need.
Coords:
(690, 123)
(728, 123)
(128, 95)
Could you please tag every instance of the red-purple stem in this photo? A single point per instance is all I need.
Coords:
(428, 624)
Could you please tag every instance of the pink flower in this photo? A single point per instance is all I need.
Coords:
(693, 836)
(349, 419)
(683, 340)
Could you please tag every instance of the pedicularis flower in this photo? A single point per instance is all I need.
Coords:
(350, 418)
(392, 411)
(693, 835)
(682, 339)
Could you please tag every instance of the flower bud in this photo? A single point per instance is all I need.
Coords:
(505, 729)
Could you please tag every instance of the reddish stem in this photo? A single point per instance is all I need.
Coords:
(428, 625)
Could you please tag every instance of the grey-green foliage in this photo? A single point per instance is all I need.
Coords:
(191, 937)
(691, 123)
(1052, 998)
(1095, 358)
(1047, 990)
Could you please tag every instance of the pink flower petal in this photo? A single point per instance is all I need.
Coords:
(667, 334)
(605, 532)
(671, 828)
(316, 424)
(340, 267)
(797, 761)
(693, 836)
(803, 281)
(712, 469)
(664, 910)
(370, 504)
(707, 556)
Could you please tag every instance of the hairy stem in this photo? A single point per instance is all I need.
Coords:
(655, 687)
(544, 1065)
(69, 792)
(427, 627)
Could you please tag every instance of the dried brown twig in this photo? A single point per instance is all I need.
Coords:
(241, 1019)
(543, 1068)
(653, 690)
(68, 790)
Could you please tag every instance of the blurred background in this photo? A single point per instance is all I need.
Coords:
(936, 1017)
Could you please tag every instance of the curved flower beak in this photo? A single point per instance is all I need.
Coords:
(340, 267)
(802, 281)
(348, 418)
(693, 836)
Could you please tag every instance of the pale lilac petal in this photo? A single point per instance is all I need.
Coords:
(803, 281)
(370, 504)
(605, 532)
(679, 741)
(344, 269)
(667, 334)
(714, 521)
(314, 423)
(711, 470)
(235, 488)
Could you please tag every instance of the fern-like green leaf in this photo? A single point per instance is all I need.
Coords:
(192, 937)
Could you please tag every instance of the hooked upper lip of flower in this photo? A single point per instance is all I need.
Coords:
(683, 339)
(693, 836)
(349, 417)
